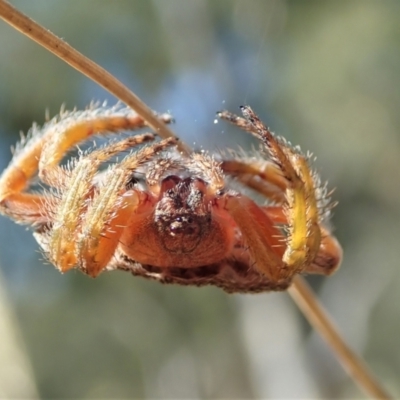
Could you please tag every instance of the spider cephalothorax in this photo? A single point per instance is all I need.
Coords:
(182, 222)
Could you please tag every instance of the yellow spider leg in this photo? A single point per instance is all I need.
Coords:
(303, 217)
(324, 260)
(304, 236)
(67, 220)
(329, 255)
(110, 211)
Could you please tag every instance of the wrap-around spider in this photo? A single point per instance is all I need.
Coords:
(169, 216)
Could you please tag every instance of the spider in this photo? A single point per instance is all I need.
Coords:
(165, 215)
(155, 211)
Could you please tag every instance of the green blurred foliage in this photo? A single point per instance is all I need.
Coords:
(326, 75)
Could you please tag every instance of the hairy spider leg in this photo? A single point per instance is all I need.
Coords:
(254, 173)
(266, 179)
(262, 176)
(76, 199)
(301, 211)
(45, 148)
(111, 209)
(260, 234)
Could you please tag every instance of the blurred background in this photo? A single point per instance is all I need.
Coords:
(326, 75)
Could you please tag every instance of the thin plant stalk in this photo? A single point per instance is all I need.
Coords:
(317, 316)
(87, 67)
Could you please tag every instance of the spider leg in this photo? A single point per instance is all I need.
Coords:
(110, 210)
(72, 130)
(24, 208)
(80, 199)
(260, 233)
(266, 179)
(45, 148)
(330, 253)
(308, 246)
(262, 176)
(240, 122)
(304, 236)
(73, 203)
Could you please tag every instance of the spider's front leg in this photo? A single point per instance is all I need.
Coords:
(309, 246)
(99, 222)
(266, 178)
(88, 220)
(44, 148)
(67, 215)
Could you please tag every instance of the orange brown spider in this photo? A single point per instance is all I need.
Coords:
(168, 216)
(284, 180)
